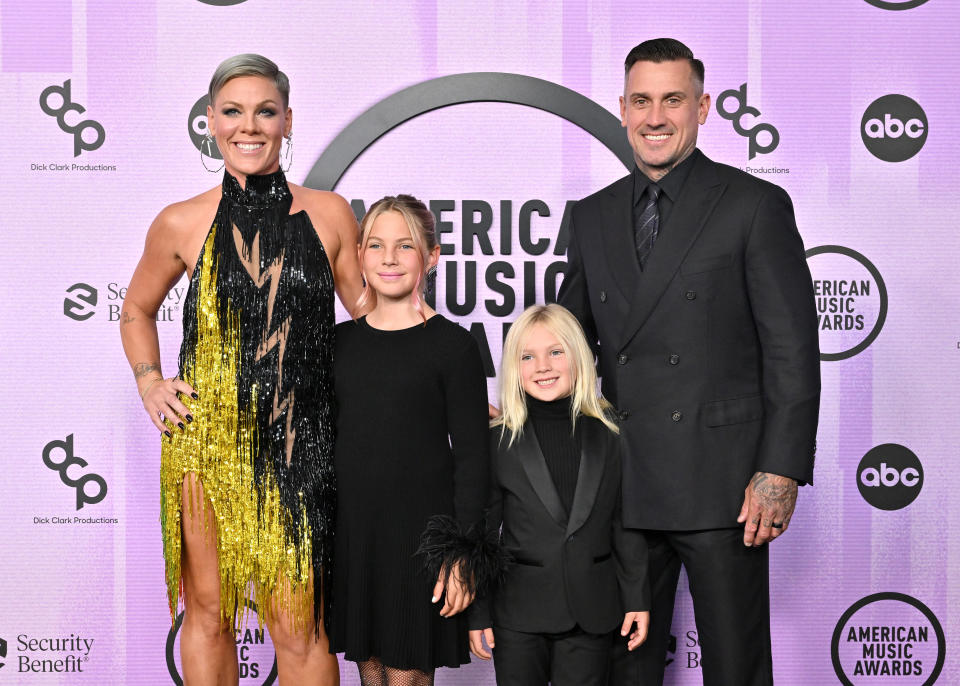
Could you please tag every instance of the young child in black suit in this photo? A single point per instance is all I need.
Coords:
(577, 574)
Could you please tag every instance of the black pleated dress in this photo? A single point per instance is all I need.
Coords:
(412, 443)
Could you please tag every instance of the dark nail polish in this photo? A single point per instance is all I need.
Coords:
(167, 434)
(195, 396)
(180, 424)
(189, 418)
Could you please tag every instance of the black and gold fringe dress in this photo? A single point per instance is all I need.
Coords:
(258, 346)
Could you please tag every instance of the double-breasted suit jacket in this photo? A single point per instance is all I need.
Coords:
(710, 353)
(578, 568)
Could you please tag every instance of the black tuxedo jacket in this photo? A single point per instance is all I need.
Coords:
(583, 568)
(711, 353)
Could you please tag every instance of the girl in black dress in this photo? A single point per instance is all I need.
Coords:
(411, 461)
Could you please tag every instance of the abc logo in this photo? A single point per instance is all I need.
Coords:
(894, 128)
(197, 128)
(890, 477)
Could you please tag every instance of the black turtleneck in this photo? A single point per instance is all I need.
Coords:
(560, 446)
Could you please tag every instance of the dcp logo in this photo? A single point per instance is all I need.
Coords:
(69, 459)
(896, 4)
(894, 128)
(80, 302)
(890, 477)
(197, 128)
(3, 650)
(66, 105)
(736, 116)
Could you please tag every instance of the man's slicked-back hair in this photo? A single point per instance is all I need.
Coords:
(664, 50)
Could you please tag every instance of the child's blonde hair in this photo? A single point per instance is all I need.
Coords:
(585, 397)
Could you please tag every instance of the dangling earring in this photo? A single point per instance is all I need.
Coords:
(363, 280)
(208, 143)
(288, 152)
(431, 279)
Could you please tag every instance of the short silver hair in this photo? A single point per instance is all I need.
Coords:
(249, 64)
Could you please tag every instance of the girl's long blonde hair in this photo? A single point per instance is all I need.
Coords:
(585, 397)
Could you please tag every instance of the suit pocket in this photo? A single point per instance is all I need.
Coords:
(733, 411)
(705, 264)
(601, 558)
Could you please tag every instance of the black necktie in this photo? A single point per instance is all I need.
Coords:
(647, 224)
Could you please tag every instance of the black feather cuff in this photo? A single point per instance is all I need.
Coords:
(482, 559)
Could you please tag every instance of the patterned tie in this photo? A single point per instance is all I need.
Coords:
(647, 224)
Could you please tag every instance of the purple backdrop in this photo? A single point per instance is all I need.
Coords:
(862, 584)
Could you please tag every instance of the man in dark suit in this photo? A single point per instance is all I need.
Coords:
(692, 278)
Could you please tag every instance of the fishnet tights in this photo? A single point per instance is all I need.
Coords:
(375, 673)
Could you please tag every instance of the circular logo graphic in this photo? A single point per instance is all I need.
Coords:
(851, 300)
(197, 128)
(254, 652)
(890, 476)
(888, 635)
(896, 5)
(894, 128)
(459, 89)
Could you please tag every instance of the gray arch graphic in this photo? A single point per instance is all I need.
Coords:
(458, 89)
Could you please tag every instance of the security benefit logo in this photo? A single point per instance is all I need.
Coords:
(255, 656)
(851, 300)
(732, 105)
(894, 128)
(890, 476)
(197, 129)
(888, 635)
(59, 457)
(47, 654)
(56, 101)
(82, 301)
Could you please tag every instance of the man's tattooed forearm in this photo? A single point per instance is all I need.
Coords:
(143, 368)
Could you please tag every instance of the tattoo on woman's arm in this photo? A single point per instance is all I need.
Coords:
(143, 368)
(126, 319)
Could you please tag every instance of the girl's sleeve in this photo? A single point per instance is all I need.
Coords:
(465, 537)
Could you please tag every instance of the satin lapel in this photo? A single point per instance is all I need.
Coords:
(687, 219)
(617, 234)
(531, 458)
(592, 463)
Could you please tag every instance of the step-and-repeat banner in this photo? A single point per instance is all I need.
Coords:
(499, 115)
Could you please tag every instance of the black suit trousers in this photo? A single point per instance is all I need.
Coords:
(573, 658)
(730, 587)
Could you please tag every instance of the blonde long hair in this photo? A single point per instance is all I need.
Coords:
(585, 397)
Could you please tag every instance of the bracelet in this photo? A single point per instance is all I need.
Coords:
(149, 386)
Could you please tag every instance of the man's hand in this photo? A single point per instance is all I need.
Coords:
(476, 644)
(639, 635)
(768, 503)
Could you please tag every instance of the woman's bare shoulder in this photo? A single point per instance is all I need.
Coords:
(323, 202)
(187, 215)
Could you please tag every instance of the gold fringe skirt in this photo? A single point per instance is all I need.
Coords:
(257, 559)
